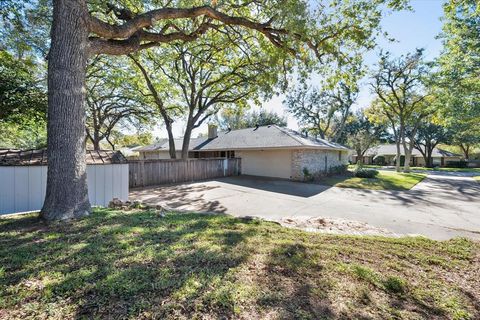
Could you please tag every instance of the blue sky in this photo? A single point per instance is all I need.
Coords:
(411, 29)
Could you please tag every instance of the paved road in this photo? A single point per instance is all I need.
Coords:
(441, 207)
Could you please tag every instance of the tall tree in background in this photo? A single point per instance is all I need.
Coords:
(399, 85)
(23, 103)
(428, 136)
(323, 112)
(458, 78)
(203, 77)
(112, 101)
(231, 119)
(362, 134)
(79, 31)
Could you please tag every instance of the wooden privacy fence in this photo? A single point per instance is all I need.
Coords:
(154, 172)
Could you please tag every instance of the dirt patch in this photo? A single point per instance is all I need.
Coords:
(335, 226)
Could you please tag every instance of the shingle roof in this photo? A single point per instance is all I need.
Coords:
(11, 157)
(163, 145)
(253, 138)
(391, 149)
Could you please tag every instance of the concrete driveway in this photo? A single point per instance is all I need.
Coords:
(440, 207)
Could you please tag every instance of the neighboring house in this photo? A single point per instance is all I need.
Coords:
(269, 151)
(24, 178)
(388, 153)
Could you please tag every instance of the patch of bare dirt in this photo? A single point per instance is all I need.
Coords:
(335, 226)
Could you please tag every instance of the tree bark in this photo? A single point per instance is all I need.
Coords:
(466, 150)
(171, 141)
(96, 145)
(186, 138)
(67, 194)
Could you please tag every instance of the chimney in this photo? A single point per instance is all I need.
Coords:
(212, 131)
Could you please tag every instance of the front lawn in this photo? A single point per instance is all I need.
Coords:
(144, 265)
(385, 180)
(475, 170)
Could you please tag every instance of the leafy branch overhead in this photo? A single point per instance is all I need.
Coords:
(328, 32)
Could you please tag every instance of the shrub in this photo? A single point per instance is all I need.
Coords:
(456, 164)
(379, 160)
(307, 176)
(341, 169)
(395, 284)
(366, 173)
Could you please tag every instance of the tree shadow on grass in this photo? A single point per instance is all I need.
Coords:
(115, 266)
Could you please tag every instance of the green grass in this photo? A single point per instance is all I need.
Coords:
(385, 180)
(475, 170)
(369, 166)
(139, 264)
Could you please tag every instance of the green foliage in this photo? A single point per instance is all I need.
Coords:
(379, 160)
(25, 27)
(23, 103)
(361, 134)
(27, 135)
(236, 118)
(113, 101)
(307, 176)
(456, 164)
(366, 173)
(458, 78)
(395, 284)
(323, 112)
(120, 139)
(22, 94)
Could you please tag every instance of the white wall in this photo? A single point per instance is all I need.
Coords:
(269, 163)
(22, 188)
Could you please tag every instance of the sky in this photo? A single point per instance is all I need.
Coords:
(411, 30)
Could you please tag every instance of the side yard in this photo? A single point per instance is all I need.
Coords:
(385, 180)
(443, 169)
(146, 264)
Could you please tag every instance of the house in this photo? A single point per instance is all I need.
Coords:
(269, 151)
(385, 154)
(24, 178)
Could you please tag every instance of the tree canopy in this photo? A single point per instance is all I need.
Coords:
(458, 76)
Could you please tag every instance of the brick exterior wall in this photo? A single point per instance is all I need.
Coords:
(318, 162)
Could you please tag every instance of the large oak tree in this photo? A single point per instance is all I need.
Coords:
(402, 94)
(329, 32)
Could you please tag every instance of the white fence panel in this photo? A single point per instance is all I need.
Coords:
(22, 188)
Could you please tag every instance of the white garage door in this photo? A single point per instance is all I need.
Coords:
(270, 163)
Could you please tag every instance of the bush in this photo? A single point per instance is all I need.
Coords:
(366, 173)
(379, 160)
(307, 176)
(456, 164)
(395, 285)
(341, 169)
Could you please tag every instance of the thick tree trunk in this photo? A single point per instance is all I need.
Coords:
(466, 150)
(408, 157)
(171, 141)
(186, 139)
(96, 145)
(398, 157)
(67, 194)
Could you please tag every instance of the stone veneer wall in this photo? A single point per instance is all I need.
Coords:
(315, 162)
